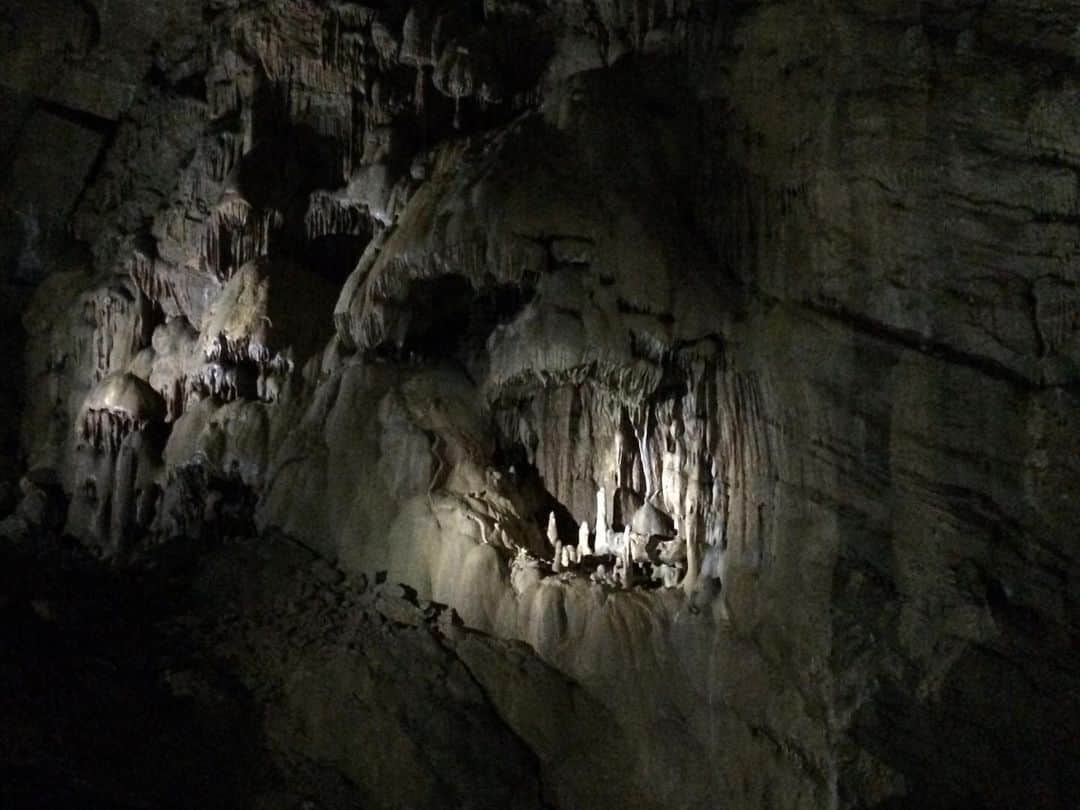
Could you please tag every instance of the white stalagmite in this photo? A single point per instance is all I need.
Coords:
(556, 563)
(552, 529)
(583, 541)
(601, 522)
(620, 571)
(616, 543)
(692, 564)
(669, 575)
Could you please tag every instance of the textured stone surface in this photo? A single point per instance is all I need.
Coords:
(793, 287)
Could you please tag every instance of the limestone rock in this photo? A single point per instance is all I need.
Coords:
(778, 303)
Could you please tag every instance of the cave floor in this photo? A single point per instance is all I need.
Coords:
(120, 688)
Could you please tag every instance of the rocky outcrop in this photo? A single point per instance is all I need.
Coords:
(722, 355)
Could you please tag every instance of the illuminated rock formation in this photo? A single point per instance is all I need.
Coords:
(777, 303)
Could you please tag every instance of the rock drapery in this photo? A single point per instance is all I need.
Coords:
(723, 355)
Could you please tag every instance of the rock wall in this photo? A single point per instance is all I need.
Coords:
(722, 353)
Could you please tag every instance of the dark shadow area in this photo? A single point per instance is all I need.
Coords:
(448, 318)
(91, 712)
(333, 257)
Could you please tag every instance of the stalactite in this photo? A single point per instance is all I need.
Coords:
(174, 395)
(690, 454)
(215, 380)
(418, 90)
(642, 435)
(331, 215)
(120, 328)
(236, 234)
(150, 278)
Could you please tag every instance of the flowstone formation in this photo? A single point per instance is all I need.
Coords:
(711, 364)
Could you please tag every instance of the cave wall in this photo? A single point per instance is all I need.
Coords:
(401, 281)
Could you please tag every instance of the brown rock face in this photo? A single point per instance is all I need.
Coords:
(696, 381)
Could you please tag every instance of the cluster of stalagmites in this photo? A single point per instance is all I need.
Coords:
(644, 551)
(619, 558)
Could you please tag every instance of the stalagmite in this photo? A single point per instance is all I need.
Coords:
(583, 541)
(666, 574)
(552, 529)
(500, 538)
(692, 564)
(620, 571)
(617, 543)
(557, 561)
(602, 545)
